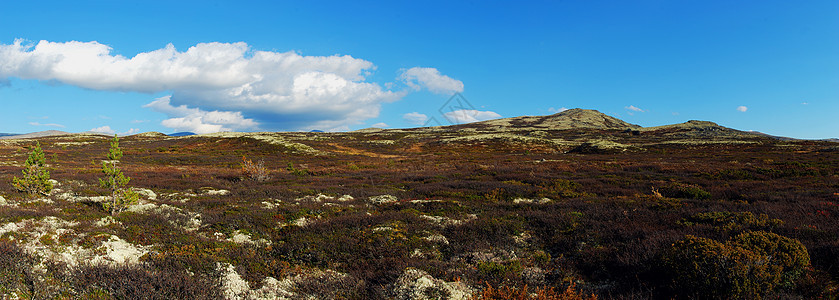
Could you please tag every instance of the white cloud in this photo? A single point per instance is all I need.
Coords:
(380, 125)
(742, 108)
(130, 131)
(415, 118)
(556, 110)
(215, 86)
(469, 116)
(431, 79)
(47, 125)
(633, 108)
(200, 121)
(104, 129)
(139, 121)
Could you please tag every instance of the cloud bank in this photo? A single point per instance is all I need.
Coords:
(224, 86)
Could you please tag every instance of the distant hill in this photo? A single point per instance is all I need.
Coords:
(577, 118)
(8, 134)
(35, 134)
(185, 133)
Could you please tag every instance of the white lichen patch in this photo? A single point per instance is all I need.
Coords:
(65, 144)
(532, 201)
(177, 217)
(232, 284)
(383, 229)
(418, 284)
(118, 252)
(382, 199)
(320, 198)
(302, 222)
(271, 203)
(55, 239)
(381, 142)
(42, 201)
(317, 198)
(217, 192)
(235, 287)
(446, 221)
(146, 193)
(240, 237)
(69, 196)
(106, 221)
(437, 239)
(421, 201)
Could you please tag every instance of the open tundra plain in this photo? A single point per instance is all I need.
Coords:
(575, 205)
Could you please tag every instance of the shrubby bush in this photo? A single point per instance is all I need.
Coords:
(254, 170)
(748, 266)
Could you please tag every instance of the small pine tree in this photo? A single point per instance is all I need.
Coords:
(116, 182)
(36, 178)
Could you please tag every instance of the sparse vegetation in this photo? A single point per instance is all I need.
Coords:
(492, 218)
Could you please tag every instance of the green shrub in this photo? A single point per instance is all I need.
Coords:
(499, 270)
(560, 188)
(749, 266)
(788, 257)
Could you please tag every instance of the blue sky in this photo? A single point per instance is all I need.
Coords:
(203, 66)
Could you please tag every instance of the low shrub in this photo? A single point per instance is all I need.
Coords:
(750, 265)
(254, 170)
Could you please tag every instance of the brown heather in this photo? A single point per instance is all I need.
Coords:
(486, 216)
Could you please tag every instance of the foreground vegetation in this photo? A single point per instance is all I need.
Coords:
(403, 214)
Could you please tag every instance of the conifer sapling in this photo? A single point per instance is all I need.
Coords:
(115, 181)
(36, 178)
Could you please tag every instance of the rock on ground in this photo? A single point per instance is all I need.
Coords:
(417, 284)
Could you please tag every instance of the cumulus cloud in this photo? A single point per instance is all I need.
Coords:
(200, 121)
(431, 79)
(415, 118)
(47, 125)
(380, 125)
(131, 131)
(104, 129)
(469, 116)
(742, 108)
(223, 86)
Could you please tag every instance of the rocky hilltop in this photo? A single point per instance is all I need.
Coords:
(570, 119)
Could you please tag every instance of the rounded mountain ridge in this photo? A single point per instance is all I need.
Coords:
(577, 118)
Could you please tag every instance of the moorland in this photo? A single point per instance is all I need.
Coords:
(576, 205)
